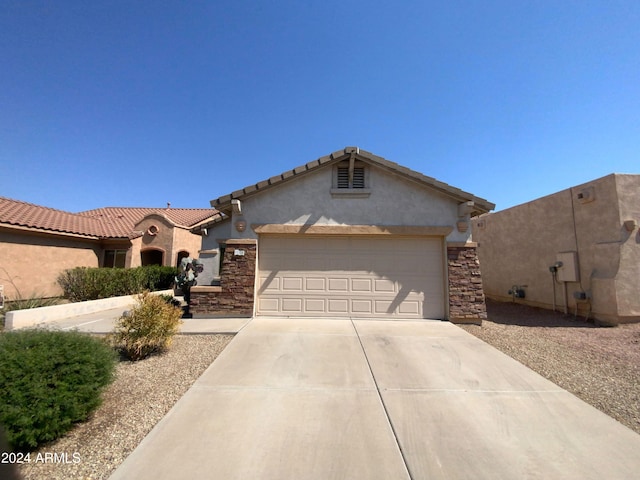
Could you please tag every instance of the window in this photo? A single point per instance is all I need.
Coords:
(115, 258)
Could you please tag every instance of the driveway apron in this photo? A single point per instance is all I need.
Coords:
(341, 399)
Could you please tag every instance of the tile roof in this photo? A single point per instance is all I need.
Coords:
(184, 217)
(481, 205)
(110, 222)
(23, 214)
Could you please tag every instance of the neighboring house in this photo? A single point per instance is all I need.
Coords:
(37, 243)
(591, 228)
(348, 235)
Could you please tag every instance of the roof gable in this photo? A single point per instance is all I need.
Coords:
(480, 205)
(185, 217)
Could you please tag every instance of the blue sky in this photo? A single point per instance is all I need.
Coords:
(115, 103)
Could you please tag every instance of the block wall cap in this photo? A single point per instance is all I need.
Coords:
(206, 289)
(241, 241)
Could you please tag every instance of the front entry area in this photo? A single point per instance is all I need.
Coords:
(351, 276)
(151, 257)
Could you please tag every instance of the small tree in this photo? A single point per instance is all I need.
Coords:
(148, 328)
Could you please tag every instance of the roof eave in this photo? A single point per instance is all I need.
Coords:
(215, 221)
(48, 231)
(224, 203)
(481, 205)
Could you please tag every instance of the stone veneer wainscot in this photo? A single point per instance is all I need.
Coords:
(466, 296)
(235, 295)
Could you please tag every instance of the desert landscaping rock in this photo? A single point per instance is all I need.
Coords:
(600, 365)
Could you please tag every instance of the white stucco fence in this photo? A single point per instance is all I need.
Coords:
(31, 317)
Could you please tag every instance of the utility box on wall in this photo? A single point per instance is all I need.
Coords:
(569, 271)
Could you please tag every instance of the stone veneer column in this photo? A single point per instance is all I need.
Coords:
(235, 295)
(466, 296)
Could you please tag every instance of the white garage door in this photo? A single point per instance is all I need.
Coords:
(351, 276)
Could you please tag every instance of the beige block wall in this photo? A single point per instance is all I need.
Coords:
(628, 278)
(184, 240)
(33, 262)
(517, 246)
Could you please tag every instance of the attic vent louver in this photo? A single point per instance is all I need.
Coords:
(358, 180)
(358, 177)
(343, 177)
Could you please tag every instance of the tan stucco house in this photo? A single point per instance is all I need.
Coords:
(37, 242)
(350, 234)
(577, 250)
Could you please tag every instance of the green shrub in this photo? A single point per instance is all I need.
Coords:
(50, 380)
(148, 328)
(159, 278)
(82, 283)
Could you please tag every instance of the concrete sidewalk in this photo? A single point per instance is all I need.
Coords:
(103, 322)
(324, 399)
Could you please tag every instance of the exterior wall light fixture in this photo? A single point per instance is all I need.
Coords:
(241, 226)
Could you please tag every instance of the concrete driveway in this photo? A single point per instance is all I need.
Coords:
(341, 399)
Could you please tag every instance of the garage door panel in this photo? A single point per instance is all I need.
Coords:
(338, 306)
(315, 305)
(409, 308)
(292, 283)
(361, 285)
(269, 305)
(338, 285)
(270, 283)
(362, 306)
(316, 284)
(292, 305)
(383, 285)
(351, 276)
(383, 307)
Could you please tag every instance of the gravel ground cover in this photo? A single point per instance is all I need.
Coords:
(141, 395)
(600, 365)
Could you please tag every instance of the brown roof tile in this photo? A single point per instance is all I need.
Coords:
(109, 222)
(184, 217)
(481, 205)
(23, 214)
